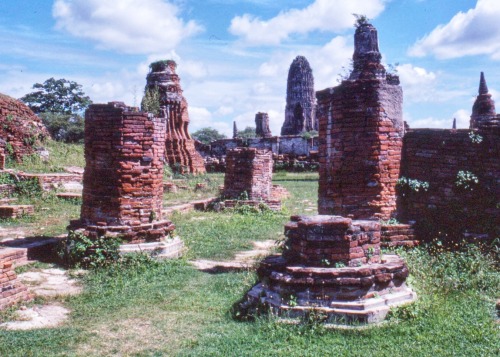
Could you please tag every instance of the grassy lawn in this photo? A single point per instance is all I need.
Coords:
(148, 308)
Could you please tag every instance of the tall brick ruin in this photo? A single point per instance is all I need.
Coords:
(483, 111)
(180, 150)
(300, 111)
(123, 178)
(361, 130)
(262, 125)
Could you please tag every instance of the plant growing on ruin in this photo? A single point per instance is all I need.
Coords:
(475, 137)
(360, 20)
(466, 180)
(78, 250)
(309, 134)
(407, 185)
(151, 101)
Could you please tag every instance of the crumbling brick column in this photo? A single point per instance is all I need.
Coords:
(262, 125)
(250, 171)
(180, 150)
(123, 178)
(361, 131)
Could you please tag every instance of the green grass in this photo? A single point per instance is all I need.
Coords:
(60, 156)
(148, 308)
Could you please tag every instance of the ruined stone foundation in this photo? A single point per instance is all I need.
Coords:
(331, 266)
(248, 179)
(122, 183)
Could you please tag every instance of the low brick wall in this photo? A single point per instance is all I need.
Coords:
(16, 211)
(12, 290)
(399, 235)
(436, 156)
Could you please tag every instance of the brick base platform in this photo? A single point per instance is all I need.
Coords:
(16, 211)
(399, 235)
(330, 265)
(141, 233)
(11, 290)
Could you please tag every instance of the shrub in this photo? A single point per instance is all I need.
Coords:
(78, 250)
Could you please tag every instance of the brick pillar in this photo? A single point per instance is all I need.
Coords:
(360, 137)
(248, 170)
(122, 183)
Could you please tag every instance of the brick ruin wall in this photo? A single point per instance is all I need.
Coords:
(436, 156)
(20, 128)
(123, 178)
(360, 125)
(12, 290)
(248, 170)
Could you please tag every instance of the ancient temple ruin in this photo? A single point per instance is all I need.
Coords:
(300, 111)
(362, 128)
(483, 110)
(163, 86)
(123, 178)
(262, 125)
(248, 179)
(331, 265)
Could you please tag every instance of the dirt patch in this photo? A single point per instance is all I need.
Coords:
(243, 260)
(50, 282)
(37, 317)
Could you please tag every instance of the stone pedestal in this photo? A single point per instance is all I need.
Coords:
(331, 266)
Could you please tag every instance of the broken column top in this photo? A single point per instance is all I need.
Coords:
(164, 77)
(366, 57)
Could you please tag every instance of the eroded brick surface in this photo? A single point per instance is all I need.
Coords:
(12, 290)
(180, 149)
(361, 131)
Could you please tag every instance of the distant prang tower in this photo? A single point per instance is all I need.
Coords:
(360, 133)
(483, 111)
(300, 111)
(180, 151)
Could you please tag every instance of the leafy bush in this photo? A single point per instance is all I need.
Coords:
(466, 180)
(69, 128)
(78, 250)
(28, 187)
(411, 185)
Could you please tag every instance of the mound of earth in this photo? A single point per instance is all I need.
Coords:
(20, 129)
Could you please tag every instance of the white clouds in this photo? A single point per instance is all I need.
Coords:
(128, 26)
(475, 32)
(321, 15)
(418, 84)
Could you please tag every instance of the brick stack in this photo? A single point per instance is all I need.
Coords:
(361, 131)
(16, 211)
(329, 240)
(332, 266)
(11, 290)
(123, 179)
(398, 235)
(249, 174)
(262, 125)
(20, 128)
(248, 179)
(2, 156)
(180, 150)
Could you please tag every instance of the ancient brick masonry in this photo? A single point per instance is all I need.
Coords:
(123, 179)
(249, 174)
(361, 131)
(180, 151)
(12, 290)
(20, 128)
(262, 125)
(483, 110)
(300, 111)
(331, 265)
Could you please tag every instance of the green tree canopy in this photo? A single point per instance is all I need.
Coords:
(207, 135)
(248, 133)
(57, 96)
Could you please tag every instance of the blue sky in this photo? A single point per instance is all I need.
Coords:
(233, 56)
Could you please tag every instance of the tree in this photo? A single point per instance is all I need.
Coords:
(207, 135)
(57, 96)
(248, 133)
(59, 103)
